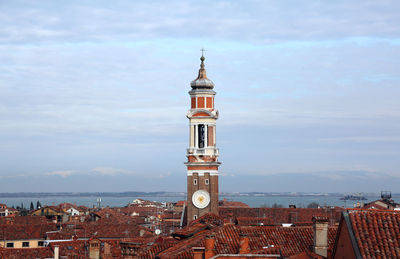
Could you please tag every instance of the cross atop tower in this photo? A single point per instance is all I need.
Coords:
(202, 51)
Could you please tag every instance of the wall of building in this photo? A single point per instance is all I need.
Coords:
(33, 243)
(344, 247)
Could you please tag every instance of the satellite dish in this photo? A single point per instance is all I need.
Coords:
(158, 231)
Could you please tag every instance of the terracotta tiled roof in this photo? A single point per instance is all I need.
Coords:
(180, 203)
(377, 232)
(19, 232)
(289, 240)
(251, 221)
(18, 253)
(143, 211)
(306, 255)
(80, 248)
(66, 205)
(232, 204)
(149, 248)
(281, 215)
(210, 219)
(71, 248)
(83, 208)
(106, 229)
(114, 216)
(24, 220)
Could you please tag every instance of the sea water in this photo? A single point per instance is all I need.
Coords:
(252, 201)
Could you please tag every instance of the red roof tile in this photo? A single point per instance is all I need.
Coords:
(377, 232)
(180, 203)
(281, 215)
(24, 220)
(18, 253)
(19, 232)
(289, 240)
(232, 204)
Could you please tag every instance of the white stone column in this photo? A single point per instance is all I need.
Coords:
(215, 135)
(191, 136)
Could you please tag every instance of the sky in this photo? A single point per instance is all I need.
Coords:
(94, 94)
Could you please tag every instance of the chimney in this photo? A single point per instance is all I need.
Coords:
(320, 227)
(210, 243)
(243, 244)
(198, 252)
(56, 252)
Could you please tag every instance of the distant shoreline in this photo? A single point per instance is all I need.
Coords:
(174, 194)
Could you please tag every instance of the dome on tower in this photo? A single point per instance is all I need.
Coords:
(202, 82)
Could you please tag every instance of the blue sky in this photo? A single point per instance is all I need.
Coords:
(93, 94)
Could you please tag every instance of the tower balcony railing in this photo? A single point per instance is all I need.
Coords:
(203, 151)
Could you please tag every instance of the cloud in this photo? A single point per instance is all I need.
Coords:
(301, 87)
(262, 21)
(109, 171)
(166, 175)
(65, 173)
(363, 139)
(106, 171)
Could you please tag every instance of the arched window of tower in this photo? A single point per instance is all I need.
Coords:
(201, 135)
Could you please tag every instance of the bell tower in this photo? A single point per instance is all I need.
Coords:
(202, 154)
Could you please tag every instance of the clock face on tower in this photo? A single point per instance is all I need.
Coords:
(201, 199)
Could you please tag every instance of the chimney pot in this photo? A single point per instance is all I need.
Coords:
(243, 244)
(320, 227)
(210, 243)
(56, 252)
(198, 252)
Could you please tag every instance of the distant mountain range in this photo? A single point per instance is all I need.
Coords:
(171, 194)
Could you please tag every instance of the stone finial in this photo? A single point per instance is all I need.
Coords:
(202, 70)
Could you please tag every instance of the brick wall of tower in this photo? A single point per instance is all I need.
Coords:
(190, 190)
(211, 188)
(214, 194)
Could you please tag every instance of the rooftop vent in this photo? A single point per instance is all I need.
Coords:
(386, 195)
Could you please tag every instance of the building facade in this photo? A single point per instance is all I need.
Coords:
(202, 154)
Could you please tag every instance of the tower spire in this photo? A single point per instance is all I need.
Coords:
(202, 70)
(202, 81)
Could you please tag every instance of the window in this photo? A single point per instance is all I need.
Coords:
(201, 135)
(40, 243)
(10, 244)
(207, 181)
(195, 181)
(25, 244)
(195, 217)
